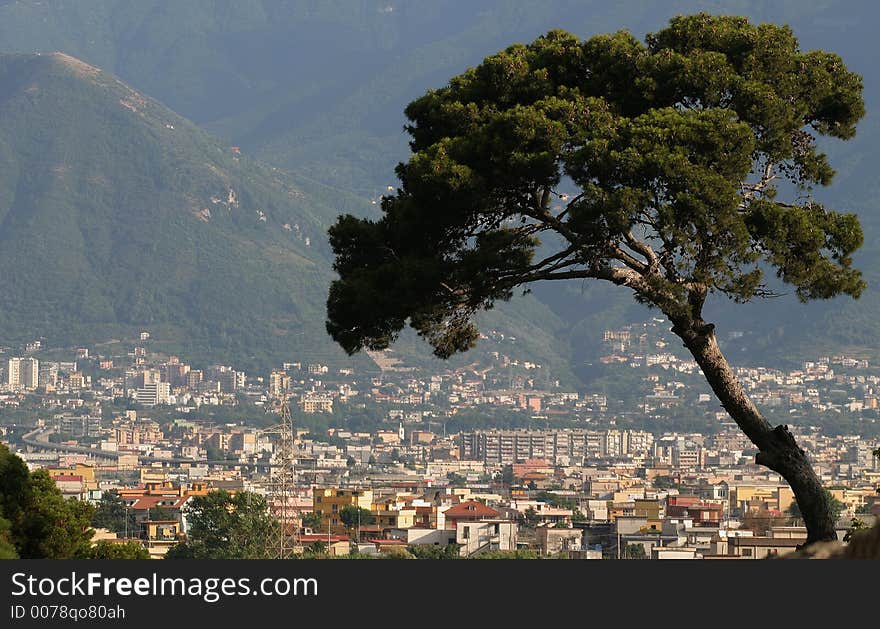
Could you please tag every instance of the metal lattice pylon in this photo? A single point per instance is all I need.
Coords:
(281, 494)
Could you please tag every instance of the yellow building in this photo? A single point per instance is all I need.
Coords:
(161, 535)
(152, 476)
(387, 517)
(778, 497)
(279, 383)
(80, 469)
(127, 462)
(388, 436)
(328, 503)
(647, 508)
(784, 498)
(851, 498)
(77, 380)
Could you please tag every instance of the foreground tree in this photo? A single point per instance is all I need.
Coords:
(312, 520)
(36, 521)
(680, 149)
(353, 516)
(112, 550)
(634, 551)
(7, 548)
(14, 491)
(225, 526)
(113, 514)
(54, 527)
(425, 551)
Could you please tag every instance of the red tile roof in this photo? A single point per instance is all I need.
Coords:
(470, 509)
(150, 502)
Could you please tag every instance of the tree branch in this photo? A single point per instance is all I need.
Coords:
(642, 248)
(545, 198)
(619, 254)
(751, 190)
(555, 257)
(621, 276)
(666, 256)
(543, 215)
(569, 205)
(696, 296)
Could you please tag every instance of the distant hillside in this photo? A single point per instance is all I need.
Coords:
(320, 87)
(118, 214)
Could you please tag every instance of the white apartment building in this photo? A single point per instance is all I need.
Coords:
(23, 373)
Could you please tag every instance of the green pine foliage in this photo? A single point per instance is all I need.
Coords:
(692, 155)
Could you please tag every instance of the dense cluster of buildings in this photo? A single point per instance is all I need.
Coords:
(575, 493)
(586, 490)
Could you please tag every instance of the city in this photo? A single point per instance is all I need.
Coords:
(564, 475)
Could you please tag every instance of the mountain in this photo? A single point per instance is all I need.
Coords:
(318, 88)
(117, 214)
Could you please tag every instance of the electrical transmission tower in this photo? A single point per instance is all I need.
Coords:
(281, 494)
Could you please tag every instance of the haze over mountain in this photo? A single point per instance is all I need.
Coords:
(319, 88)
(116, 213)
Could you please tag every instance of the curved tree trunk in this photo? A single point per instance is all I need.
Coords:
(777, 449)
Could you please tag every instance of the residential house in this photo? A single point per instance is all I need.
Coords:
(552, 540)
(476, 537)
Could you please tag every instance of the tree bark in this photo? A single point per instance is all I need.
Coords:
(777, 448)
